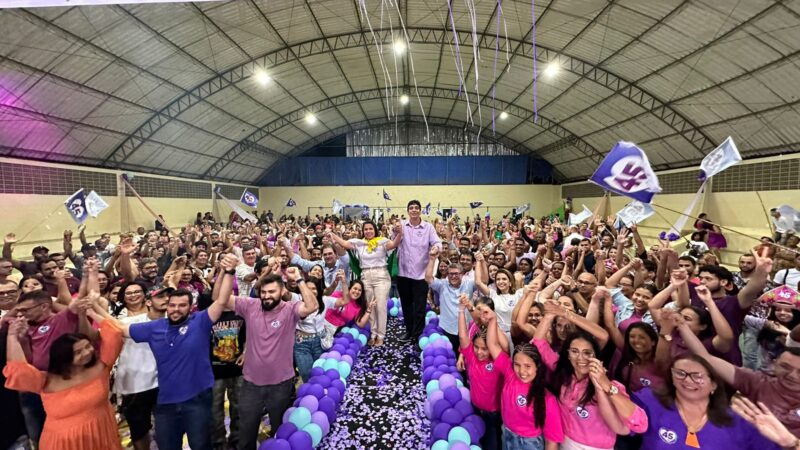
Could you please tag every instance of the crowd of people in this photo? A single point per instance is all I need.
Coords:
(573, 337)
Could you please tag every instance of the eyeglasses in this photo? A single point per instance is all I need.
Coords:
(9, 293)
(576, 354)
(696, 377)
(24, 310)
(132, 293)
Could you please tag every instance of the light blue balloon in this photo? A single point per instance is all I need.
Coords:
(318, 363)
(344, 369)
(363, 339)
(331, 364)
(432, 385)
(458, 434)
(459, 383)
(474, 447)
(423, 342)
(316, 433)
(300, 417)
(345, 330)
(435, 336)
(394, 312)
(440, 445)
(343, 381)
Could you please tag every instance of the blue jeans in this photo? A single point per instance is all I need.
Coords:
(492, 436)
(192, 417)
(513, 441)
(306, 351)
(33, 411)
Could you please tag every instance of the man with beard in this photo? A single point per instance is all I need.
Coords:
(51, 277)
(179, 343)
(135, 378)
(733, 307)
(268, 370)
(149, 273)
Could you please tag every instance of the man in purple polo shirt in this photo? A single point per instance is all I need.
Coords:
(268, 367)
(418, 238)
(719, 280)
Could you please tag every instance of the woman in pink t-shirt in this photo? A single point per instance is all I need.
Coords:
(351, 307)
(484, 378)
(530, 412)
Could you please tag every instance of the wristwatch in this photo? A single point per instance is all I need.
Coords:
(613, 390)
(231, 272)
(667, 337)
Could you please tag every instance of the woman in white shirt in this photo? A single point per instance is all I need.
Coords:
(505, 294)
(372, 252)
(309, 331)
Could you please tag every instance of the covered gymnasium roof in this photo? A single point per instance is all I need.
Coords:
(178, 89)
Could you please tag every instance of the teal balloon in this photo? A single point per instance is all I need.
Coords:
(345, 330)
(300, 417)
(354, 333)
(316, 433)
(474, 447)
(458, 434)
(318, 363)
(423, 342)
(435, 336)
(441, 444)
(459, 383)
(344, 369)
(343, 381)
(432, 385)
(394, 312)
(363, 339)
(331, 364)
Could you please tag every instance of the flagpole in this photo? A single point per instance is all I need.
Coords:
(46, 218)
(727, 229)
(156, 216)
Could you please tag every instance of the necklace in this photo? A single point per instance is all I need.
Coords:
(691, 429)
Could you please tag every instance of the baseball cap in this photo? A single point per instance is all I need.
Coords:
(155, 291)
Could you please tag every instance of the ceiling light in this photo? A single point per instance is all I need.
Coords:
(399, 47)
(311, 119)
(262, 77)
(404, 99)
(503, 115)
(552, 69)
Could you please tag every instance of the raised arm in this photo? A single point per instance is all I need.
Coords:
(481, 275)
(611, 326)
(433, 256)
(613, 280)
(223, 298)
(492, 332)
(520, 313)
(724, 369)
(753, 289)
(463, 332)
(347, 245)
(398, 236)
(724, 338)
(579, 321)
(8, 244)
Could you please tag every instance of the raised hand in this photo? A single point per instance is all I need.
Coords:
(704, 294)
(763, 419)
(552, 308)
(463, 300)
(597, 373)
(763, 262)
(293, 274)
(18, 327)
(10, 238)
(434, 252)
(678, 277)
(229, 262)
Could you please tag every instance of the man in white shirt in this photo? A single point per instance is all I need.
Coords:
(136, 377)
(782, 224)
(789, 277)
(246, 275)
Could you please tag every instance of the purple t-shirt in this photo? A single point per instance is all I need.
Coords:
(43, 335)
(666, 430)
(734, 314)
(270, 340)
(414, 248)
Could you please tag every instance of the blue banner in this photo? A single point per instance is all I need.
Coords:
(76, 206)
(626, 171)
(249, 199)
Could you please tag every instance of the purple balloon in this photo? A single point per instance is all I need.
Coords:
(315, 389)
(338, 384)
(452, 416)
(285, 430)
(477, 422)
(275, 444)
(321, 419)
(355, 347)
(427, 361)
(302, 391)
(334, 394)
(348, 359)
(438, 408)
(436, 396)
(474, 436)
(310, 402)
(459, 446)
(464, 407)
(451, 361)
(446, 381)
(332, 374)
(426, 408)
(288, 413)
(335, 355)
(440, 431)
(452, 393)
(328, 406)
(464, 393)
(301, 440)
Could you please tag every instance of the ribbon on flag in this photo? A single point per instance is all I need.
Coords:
(575, 219)
(236, 208)
(249, 199)
(626, 171)
(634, 212)
(95, 204)
(76, 206)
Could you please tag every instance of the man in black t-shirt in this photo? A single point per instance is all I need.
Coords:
(227, 357)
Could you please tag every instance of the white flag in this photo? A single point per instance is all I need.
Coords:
(635, 212)
(720, 159)
(95, 204)
(575, 219)
(790, 217)
(337, 206)
(235, 207)
(523, 208)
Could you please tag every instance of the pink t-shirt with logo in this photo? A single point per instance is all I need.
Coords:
(340, 316)
(45, 333)
(270, 340)
(517, 413)
(484, 381)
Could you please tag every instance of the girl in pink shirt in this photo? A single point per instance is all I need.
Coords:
(351, 307)
(594, 410)
(484, 378)
(529, 410)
